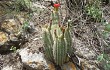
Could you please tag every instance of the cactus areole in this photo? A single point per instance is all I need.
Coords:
(56, 6)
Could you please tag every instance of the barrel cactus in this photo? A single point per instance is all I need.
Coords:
(57, 39)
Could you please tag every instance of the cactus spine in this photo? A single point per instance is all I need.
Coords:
(57, 40)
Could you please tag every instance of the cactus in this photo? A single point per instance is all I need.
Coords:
(68, 39)
(57, 40)
(48, 43)
(59, 49)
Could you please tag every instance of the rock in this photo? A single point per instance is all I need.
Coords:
(7, 68)
(3, 38)
(9, 32)
(12, 32)
(10, 62)
(33, 60)
(11, 26)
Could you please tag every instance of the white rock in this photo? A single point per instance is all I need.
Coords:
(7, 68)
(33, 60)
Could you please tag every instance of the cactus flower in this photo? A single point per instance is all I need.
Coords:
(56, 6)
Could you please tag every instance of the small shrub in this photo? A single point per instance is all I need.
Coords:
(94, 10)
(105, 60)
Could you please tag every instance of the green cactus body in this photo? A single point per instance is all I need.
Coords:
(55, 17)
(60, 50)
(63, 50)
(68, 39)
(55, 46)
(57, 41)
(48, 43)
(58, 30)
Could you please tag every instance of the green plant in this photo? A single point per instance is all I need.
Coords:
(105, 60)
(107, 27)
(13, 49)
(15, 6)
(57, 39)
(22, 4)
(25, 25)
(94, 10)
(106, 30)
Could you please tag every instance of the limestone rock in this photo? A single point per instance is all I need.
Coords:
(33, 60)
(3, 38)
(10, 62)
